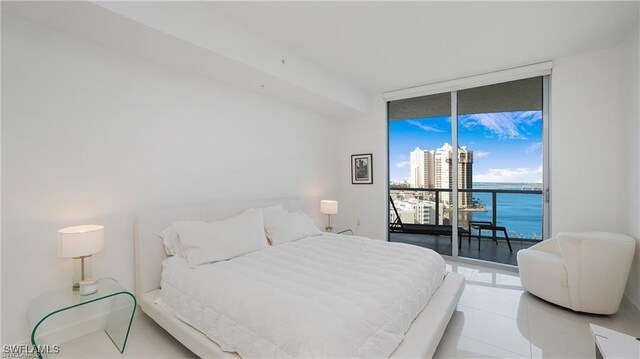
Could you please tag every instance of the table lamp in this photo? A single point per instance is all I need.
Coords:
(79, 243)
(328, 207)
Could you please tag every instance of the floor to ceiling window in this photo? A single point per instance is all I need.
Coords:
(467, 170)
(420, 146)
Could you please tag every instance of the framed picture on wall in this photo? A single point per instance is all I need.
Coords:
(362, 168)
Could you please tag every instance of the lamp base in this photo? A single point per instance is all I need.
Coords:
(81, 270)
(88, 286)
(328, 228)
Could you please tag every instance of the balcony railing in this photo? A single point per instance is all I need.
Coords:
(438, 194)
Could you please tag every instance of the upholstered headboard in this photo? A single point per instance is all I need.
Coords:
(149, 250)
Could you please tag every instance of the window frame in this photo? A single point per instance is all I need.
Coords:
(536, 70)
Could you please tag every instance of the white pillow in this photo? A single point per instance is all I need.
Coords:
(171, 238)
(291, 226)
(221, 240)
(301, 225)
(171, 241)
(272, 221)
(271, 216)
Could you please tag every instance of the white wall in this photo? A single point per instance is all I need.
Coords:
(92, 135)
(364, 203)
(629, 151)
(585, 116)
(594, 145)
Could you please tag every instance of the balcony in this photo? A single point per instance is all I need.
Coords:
(508, 219)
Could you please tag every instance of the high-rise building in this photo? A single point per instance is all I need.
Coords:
(443, 173)
(421, 169)
(442, 159)
(425, 212)
(416, 159)
(465, 176)
(429, 166)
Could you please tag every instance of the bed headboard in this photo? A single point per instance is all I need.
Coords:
(148, 247)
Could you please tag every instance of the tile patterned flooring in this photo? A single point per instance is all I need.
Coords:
(495, 318)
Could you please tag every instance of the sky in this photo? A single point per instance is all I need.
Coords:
(507, 146)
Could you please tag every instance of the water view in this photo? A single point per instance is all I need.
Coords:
(520, 213)
(498, 164)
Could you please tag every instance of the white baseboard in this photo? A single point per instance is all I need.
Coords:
(73, 330)
(631, 304)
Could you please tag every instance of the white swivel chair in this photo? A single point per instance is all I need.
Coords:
(586, 272)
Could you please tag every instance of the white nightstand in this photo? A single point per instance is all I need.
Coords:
(612, 344)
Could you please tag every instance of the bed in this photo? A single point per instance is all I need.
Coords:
(420, 340)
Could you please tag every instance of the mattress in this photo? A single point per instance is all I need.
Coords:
(321, 296)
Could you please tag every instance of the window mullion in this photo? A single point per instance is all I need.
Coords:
(454, 181)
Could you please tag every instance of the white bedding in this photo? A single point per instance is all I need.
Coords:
(321, 296)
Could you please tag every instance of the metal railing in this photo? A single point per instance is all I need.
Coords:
(494, 200)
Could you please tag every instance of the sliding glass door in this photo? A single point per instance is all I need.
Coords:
(419, 200)
(500, 142)
(467, 172)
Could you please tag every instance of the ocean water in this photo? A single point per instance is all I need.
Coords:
(521, 214)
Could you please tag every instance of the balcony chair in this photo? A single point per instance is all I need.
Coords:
(488, 226)
(585, 272)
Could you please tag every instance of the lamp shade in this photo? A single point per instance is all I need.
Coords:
(328, 207)
(78, 241)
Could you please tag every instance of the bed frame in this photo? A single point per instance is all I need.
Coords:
(421, 340)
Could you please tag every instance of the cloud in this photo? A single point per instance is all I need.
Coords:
(505, 125)
(402, 164)
(480, 154)
(523, 174)
(423, 126)
(529, 117)
(534, 147)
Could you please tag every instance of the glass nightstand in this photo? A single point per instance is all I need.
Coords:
(47, 305)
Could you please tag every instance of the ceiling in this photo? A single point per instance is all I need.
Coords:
(332, 56)
(383, 46)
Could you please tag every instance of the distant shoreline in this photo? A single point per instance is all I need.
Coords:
(488, 185)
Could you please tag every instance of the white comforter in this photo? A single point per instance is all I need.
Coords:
(322, 296)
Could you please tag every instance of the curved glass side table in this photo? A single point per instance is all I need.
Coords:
(123, 307)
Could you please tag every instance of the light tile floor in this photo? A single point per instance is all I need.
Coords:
(495, 318)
